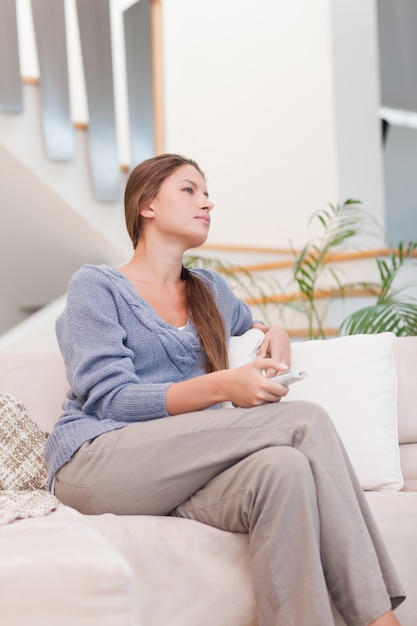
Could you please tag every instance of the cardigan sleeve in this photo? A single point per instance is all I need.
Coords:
(99, 365)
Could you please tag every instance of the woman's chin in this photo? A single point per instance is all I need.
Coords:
(198, 240)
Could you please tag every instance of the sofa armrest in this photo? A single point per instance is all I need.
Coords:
(57, 569)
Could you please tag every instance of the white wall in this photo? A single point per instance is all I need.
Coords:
(278, 101)
(280, 113)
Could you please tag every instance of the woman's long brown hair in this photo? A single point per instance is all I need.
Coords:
(142, 186)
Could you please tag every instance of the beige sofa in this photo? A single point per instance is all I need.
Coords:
(69, 569)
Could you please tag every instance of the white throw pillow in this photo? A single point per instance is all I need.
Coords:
(353, 378)
(243, 349)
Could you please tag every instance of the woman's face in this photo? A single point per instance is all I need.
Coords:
(181, 209)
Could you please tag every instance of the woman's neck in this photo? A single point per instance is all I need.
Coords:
(158, 269)
(161, 286)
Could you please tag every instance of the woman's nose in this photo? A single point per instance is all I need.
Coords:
(208, 204)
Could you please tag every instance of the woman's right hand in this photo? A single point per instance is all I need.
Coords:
(245, 386)
(248, 386)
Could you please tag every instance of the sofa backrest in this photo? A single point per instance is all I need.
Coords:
(37, 378)
(405, 356)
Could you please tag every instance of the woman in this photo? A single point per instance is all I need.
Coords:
(143, 431)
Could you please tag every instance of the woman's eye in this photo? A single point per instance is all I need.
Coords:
(188, 189)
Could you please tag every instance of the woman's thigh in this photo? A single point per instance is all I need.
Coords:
(152, 467)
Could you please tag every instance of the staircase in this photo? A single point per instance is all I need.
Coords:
(50, 221)
(58, 214)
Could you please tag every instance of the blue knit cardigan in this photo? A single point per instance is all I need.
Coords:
(121, 357)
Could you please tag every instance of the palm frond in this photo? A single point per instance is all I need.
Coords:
(399, 318)
(394, 310)
(340, 225)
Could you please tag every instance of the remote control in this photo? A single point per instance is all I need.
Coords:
(290, 377)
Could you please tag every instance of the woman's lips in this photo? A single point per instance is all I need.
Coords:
(204, 218)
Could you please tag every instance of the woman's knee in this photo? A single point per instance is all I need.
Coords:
(313, 416)
(277, 466)
(281, 485)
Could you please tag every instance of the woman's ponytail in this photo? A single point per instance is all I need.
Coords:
(207, 321)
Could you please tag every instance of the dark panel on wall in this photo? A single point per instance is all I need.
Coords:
(95, 34)
(400, 162)
(58, 129)
(397, 35)
(10, 81)
(137, 27)
(397, 28)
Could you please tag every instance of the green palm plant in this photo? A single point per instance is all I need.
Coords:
(394, 310)
(343, 228)
(341, 225)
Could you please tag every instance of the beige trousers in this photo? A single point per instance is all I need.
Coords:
(278, 472)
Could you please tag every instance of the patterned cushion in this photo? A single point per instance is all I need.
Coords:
(22, 466)
(22, 504)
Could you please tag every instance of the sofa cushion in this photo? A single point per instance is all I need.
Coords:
(183, 557)
(354, 379)
(188, 573)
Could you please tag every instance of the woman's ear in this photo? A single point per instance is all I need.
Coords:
(147, 211)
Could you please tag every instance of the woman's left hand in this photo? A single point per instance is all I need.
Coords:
(277, 345)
